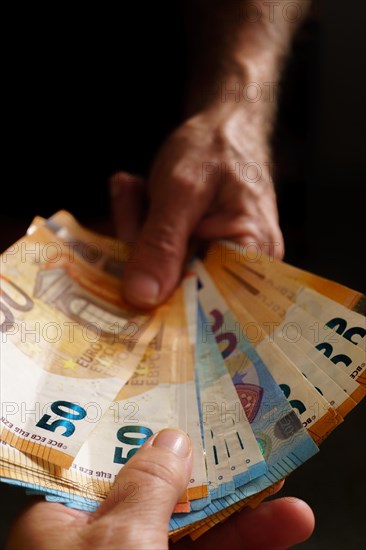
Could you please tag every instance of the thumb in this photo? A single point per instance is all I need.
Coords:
(147, 489)
(156, 264)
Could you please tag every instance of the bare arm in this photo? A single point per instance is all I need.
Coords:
(237, 51)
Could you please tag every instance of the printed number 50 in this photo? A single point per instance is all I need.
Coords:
(78, 414)
(123, 438)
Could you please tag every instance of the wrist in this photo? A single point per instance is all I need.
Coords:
(246, 90)
(227, 127)
(247, 107)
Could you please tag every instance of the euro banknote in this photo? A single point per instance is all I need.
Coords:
(319, 320)
(69, 338)
(317, 415)
(156, 396)
(257, 361)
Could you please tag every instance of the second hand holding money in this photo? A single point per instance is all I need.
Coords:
(158, 472)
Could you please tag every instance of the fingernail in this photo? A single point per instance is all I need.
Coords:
(141, 288)
(176, 441)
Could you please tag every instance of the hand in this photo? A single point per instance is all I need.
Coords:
(137, 511)
(210, 180)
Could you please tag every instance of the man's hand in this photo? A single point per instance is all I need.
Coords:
(210, 180)
(137, 512)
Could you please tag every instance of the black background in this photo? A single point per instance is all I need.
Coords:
(93, 92)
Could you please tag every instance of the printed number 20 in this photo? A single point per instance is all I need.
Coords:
(123, 438)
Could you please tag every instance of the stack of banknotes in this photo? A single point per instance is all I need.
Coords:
(256, 360)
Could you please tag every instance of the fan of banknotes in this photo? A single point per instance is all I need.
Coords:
(256, 360)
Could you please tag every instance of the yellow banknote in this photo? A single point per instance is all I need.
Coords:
(161, 393)
(69, 342)
(100, 252)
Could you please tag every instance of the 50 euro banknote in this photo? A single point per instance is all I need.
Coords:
(161, 393)
(69, 342)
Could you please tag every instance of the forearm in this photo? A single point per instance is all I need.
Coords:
(237, 51)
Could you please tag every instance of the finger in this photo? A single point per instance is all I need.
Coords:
(127, 201)
(273, 245)
(146, 491)
(274, 525)
(243, 230)
(161, 249)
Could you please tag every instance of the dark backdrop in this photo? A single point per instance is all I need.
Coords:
(84, 103)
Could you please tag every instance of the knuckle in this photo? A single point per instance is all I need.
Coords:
(184, 179)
